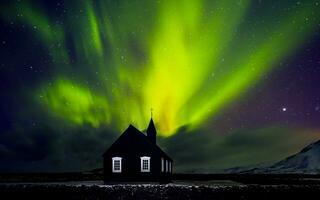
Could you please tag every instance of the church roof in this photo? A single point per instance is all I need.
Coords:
(133, 138)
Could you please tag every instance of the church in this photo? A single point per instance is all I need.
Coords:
(136, 157)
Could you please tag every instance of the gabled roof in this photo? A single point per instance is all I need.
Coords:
(136, 137)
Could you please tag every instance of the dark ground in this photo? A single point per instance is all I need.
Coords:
(156, 191)
(185, 186)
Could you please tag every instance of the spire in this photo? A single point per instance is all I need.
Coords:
(152, 132)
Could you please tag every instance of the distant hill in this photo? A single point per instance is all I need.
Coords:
(306, 161)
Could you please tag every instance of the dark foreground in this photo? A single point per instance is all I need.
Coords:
(185, 186)
(155, 191)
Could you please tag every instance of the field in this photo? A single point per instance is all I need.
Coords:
(192, 187)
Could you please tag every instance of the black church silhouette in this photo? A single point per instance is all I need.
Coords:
(136, 157)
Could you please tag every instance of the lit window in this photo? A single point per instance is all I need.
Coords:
(162, 165)
(145, 164)
(116, 164)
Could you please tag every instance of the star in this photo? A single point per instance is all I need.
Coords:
(284, 109)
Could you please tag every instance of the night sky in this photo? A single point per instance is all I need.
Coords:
(230, 82)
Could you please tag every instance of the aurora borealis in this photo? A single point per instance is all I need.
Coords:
(225, 80)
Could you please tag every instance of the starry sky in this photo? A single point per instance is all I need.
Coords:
(230, 83)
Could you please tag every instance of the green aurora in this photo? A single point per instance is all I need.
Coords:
(186, 60)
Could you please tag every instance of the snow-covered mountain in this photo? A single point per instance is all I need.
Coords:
(306, 161)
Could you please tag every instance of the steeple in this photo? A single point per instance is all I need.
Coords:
(151, 132)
